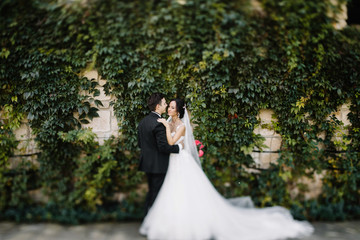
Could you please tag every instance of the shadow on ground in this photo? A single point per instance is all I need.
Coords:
(129, 231)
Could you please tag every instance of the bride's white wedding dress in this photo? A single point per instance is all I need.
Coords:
(189, 207)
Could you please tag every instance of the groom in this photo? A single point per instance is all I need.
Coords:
(155, 150)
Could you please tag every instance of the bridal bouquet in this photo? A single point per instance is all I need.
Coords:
(201, 152)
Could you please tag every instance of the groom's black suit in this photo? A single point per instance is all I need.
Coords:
(154, 156)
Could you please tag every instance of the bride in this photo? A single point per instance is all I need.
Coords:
(189, 207)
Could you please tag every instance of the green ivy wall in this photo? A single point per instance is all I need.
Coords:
(228, 59)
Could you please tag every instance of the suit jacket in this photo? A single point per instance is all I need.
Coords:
(155, 150)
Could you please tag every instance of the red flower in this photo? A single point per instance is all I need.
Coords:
(201, 152)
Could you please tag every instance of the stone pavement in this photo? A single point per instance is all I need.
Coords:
(129, 231)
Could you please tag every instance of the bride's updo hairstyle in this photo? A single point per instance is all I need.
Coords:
(180, 106)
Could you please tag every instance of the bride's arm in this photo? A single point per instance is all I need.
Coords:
(180, 132)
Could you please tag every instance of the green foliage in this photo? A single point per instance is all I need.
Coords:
(20, 184)
(227, 59)
(7, 146)
(103, 171)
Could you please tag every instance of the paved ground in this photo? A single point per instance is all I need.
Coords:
(129, 231)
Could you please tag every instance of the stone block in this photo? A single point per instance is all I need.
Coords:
(314, 187)
(256, 157)
(115, 133)
(14, 162)
(322, 135)
(101, 123)
(22, 133)
(321, 145)
(100, 140)
(114, 124)
(182, 2)
(274, 157)
(275, 143)
(266, 115)
(32, 147)
(266, 132)
(341, 114)
(111, 108)
(119, 196)
(21, 147)
(28, 146)
(92, 74)
(102, 95)
(344, 112)
(257, 130)
(102, 82)
(25, 120)
(267, 142)
(102, 136)
(34, 161)
(142, 189)
(265, 159)
(106, 104)
(338, 115)
(338, 16)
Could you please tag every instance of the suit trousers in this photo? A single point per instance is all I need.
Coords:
(155, 181)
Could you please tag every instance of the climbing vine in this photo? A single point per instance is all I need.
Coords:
(227, 59)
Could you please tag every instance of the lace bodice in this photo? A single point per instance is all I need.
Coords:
(181, 138)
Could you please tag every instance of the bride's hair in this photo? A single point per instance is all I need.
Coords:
(180, 106)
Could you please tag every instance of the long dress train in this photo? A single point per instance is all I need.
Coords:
(189, 207)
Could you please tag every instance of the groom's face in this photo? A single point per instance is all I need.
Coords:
(162, 106)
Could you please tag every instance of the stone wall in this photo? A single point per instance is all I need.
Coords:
(273, 140)
(106, 125)
(27, 147)
(340, 17)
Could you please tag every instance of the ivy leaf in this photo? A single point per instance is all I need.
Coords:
(86, 109)
(98, 102)
(339, 91)
(233, 90)
(30, 116)
(96, 93)
(27, 95)
(84, 121)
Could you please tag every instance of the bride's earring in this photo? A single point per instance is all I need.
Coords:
(178, 115)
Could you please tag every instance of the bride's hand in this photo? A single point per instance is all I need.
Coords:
(163, 121)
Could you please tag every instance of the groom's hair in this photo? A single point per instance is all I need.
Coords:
(154, 100)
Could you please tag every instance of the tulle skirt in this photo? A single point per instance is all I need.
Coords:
(189, 207)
